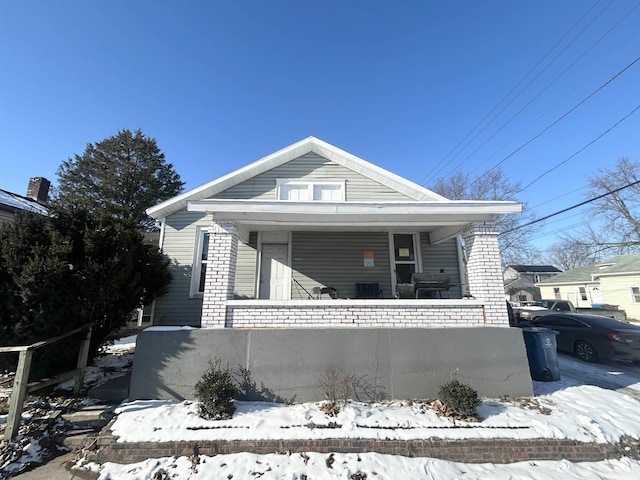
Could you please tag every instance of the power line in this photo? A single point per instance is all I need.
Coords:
(580, 150)
(553, 81)
(559, 119)
(571, 208)
(541, 92)
(442, 164)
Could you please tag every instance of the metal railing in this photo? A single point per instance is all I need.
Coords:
(21, 386)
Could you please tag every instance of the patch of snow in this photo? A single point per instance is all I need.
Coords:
(169, 329)
(368, 465)
(574, 413)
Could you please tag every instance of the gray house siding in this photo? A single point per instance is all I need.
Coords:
(442, 256)
(176, 307)
(312, 166)
(246, 267)
(318, 258)
(335, 259)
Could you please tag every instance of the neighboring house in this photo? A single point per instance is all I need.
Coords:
(35, 200)
(520, 281)
(613, 282)
(253, 247)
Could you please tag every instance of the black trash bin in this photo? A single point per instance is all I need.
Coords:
(542, 353)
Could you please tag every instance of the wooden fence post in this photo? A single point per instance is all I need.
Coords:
(18, 394)
(82, 361)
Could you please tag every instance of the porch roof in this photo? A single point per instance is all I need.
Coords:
(442, 219)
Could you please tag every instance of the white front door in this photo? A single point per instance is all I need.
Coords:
(274, 272)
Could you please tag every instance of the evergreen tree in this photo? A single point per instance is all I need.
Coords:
(122, 175)
(69, 269)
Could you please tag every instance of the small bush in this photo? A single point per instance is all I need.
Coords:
(336, 387)
(460, 398)
(216, 391)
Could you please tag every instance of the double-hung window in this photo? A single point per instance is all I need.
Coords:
(635, 294)
(200, 261)
(320, 190)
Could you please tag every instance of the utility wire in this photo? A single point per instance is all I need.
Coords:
(550, 83)
(559, 119)
(580, 150)
(477, 125)
(541, 92)
(571, 208)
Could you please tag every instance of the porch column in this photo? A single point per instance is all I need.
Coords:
(484, 271)
(221, 273)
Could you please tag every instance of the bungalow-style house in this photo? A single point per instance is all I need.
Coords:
(615, 281)
(520, 281)
(258, 247)
(312, 256)
(35, 200)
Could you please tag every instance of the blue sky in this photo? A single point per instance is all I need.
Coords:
(220, 84)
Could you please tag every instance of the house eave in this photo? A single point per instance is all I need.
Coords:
(483, 210)
(575, 282)
(442, 220)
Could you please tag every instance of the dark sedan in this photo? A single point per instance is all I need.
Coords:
(591, 337)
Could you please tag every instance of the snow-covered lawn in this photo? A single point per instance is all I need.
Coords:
(585, 414)
(564, 409)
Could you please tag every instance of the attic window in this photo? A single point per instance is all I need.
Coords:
(295, 190)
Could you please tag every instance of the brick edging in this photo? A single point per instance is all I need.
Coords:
(499, 450)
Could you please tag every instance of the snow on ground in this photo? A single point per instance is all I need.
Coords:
(33, 450)
(563, 409)
(359, 467)
(575, 413)
(116, 361)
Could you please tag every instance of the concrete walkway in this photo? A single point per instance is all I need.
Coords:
(58, 468)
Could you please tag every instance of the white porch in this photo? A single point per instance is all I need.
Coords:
(233, 219)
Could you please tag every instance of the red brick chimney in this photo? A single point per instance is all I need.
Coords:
(39, 189)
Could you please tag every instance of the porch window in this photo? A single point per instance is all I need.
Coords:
(310, 191)
(200, 261)
(635, 294)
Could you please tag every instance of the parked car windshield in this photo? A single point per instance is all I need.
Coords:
(560, 305)
(540, 303)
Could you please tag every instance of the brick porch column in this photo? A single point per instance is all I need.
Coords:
(484, 271)
(220, 277)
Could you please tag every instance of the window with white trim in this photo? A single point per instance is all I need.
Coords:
(583, 293)
(635, 294)
(200, 261)
(405, 259)
(310, 190)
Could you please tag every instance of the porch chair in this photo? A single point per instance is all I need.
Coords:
(368, 290)
(317, 292)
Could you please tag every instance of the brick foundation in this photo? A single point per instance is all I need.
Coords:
(358, 313)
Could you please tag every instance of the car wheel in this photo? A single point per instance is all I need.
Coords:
(585, 351)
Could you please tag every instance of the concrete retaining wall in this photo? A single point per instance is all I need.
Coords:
(289, 364)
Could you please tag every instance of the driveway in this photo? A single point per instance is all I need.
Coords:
(619, 376)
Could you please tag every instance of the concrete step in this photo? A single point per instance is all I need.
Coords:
(86, 425)
(115, 390)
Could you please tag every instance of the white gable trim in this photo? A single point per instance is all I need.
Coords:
(307, 145)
